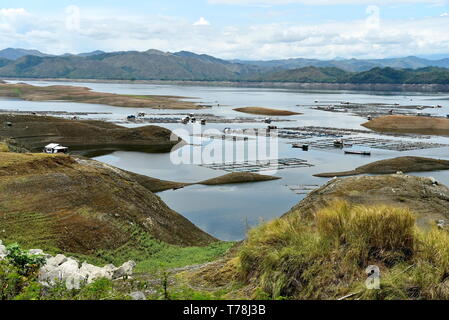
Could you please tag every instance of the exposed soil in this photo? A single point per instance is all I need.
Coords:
(409, 124)
(83, 206)
(34, 132)
(85, 95)
(266, 111)
(404, 164)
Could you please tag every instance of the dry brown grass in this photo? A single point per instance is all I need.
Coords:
(325, 256)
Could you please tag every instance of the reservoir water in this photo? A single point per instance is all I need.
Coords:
(227, 211)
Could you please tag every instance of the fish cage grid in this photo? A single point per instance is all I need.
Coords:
(259, 165)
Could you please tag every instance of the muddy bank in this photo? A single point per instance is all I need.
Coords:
(34, 132)
(409, 124)
(85, 95)
(83, 206)
(404, 164)
(266, 84)
(266, 111)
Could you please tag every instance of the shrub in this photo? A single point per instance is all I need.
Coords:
(325, 256)
(26, 263)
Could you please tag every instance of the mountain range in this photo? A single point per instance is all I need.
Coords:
(184, 65)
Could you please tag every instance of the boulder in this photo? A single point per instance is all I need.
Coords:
(57, 260)
(3, 251)
(91, 272)
(36, 252)
(124, 270)
(138, 295)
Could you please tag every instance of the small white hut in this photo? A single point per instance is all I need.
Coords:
(55, 148)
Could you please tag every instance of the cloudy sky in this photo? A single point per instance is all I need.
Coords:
(241, 29)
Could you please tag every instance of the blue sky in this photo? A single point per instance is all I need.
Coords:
(245, 29)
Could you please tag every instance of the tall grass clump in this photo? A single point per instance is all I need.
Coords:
(325, 256)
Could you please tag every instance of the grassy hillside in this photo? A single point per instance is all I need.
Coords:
(322, 248)
(59, 203)
(326, 256)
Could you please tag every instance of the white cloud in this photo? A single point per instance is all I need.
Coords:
(202, 22)
(98, 30)
(12, 12)
(444, 14)
(73, 18)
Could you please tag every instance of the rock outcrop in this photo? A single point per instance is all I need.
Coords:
(62, 269)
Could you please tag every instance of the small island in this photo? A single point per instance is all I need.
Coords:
(403, 164)
(85, 95)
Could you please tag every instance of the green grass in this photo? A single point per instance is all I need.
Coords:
(153, 256)
(176, 257)
(30, 229)
(325, 257)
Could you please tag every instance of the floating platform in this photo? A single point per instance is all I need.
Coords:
(375, 143)
(362, 153)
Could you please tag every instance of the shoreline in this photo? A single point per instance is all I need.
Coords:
(361, 87)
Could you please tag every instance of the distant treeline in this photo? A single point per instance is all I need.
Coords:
(429, 75)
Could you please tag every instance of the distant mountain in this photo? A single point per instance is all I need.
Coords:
(129, 65)
(353, 65)
(184, 65)
(428, 75)
(93, 53)
(14, 54)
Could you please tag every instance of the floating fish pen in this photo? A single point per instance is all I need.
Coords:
(222, 137)
(300, 133)
(373, 109)
(375, 143)
(260, 165)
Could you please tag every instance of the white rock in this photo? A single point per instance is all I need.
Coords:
(125, 269)
(138, 295)
(36, 252)
(57, 260)
(91, 272)
(3, 252)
